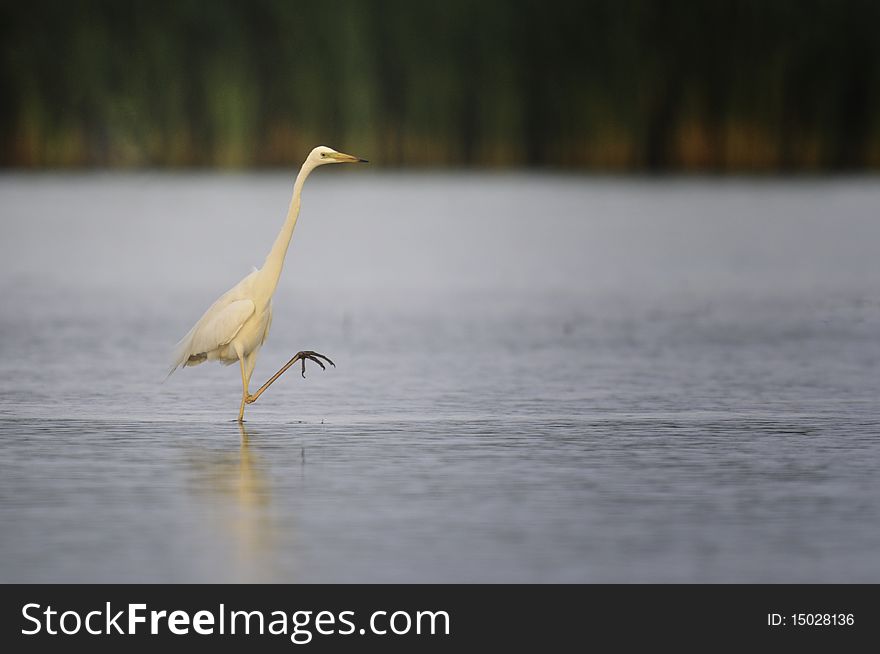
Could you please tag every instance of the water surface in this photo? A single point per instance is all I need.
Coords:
(539, 378)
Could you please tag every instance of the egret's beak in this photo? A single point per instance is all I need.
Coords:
(341, 157)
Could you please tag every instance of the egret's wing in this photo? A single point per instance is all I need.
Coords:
(216, 328)
(221, 327)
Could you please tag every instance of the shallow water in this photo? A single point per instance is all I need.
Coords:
(539, 378)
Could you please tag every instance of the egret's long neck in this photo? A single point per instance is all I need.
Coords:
(271, 270)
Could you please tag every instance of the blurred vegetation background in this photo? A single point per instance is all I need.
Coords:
(612, 85)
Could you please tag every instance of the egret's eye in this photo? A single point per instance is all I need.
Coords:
(323, 154)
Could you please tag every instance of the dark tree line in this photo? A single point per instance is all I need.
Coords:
(603, 84)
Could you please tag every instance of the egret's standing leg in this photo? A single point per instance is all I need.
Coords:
(244, 390)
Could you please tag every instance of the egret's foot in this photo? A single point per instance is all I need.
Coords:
(299, 356)
(312, 356)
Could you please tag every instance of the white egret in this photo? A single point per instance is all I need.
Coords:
(234, 328)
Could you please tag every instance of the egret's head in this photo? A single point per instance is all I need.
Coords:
(324, 155)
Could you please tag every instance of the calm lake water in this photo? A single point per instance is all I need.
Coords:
(539, 378)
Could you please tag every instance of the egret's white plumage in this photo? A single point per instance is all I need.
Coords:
(234, 328)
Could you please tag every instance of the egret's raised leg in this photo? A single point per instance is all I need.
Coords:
(299, 356)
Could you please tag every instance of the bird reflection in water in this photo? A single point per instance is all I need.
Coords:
(238, 512)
